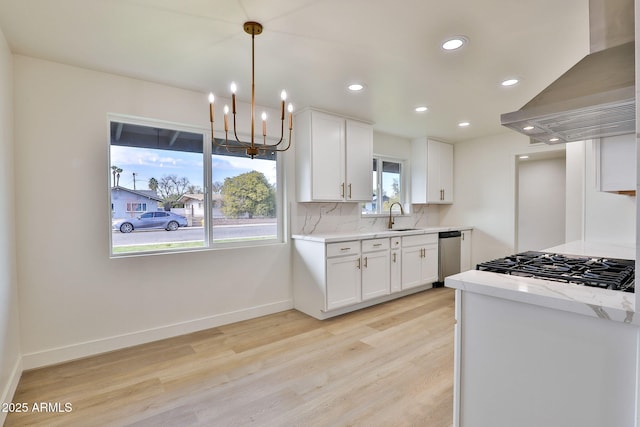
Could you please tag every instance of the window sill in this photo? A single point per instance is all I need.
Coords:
(218, 247)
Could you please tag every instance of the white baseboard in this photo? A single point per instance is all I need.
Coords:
(89, 348)
(10, 389)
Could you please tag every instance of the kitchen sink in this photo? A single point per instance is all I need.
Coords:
(405, 229)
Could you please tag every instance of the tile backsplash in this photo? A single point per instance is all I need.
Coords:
(317, 218)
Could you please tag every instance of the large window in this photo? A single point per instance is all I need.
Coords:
(170, 190)
(244, 196)
(387, 186)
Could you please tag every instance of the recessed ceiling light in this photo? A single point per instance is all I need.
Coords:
(524, 157)
(454, 43)
(355, 87)
(527, 128)
(463, 124)
(421, 109)
(554, 139)
(509, 82)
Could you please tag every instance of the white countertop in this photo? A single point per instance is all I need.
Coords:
(355, 235)
(595, 302)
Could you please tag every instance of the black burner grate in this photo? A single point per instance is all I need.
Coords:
(606, 273)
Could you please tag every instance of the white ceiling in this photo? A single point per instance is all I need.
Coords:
(314, 48)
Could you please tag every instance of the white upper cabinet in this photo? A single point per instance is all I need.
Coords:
(359, 161)
(431, 171)
(616, 156)
(333, 158)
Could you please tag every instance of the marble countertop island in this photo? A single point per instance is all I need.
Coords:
(595, 302)
(531, 352)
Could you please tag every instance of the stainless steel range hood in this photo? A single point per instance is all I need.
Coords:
(596, 97)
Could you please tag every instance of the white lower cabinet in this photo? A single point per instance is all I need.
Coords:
(419, 260)
(375, 268)
(343, 281)
(342, 274)
(335, 278)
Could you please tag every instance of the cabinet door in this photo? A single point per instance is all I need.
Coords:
(343, 281)
(465, 250)
(429, 264)
(431, 171)
(359, 152)
(434, 189)
(396, 270)
(411, 267)
(419, 170)
(439, 172)
(328, 154)
(617, 163)
(446, 172)
(375, 274)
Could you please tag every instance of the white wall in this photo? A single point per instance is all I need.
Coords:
(594, 215)
(10, 365)
(609, 218)
(541, 203)
(391, 146)
(485, 196)
(74, 299)
(484, 188)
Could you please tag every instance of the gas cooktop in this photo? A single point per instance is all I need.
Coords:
(605, 273)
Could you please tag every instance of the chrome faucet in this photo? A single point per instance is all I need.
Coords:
(391, 217)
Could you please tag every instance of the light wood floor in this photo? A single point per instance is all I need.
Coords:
(388, 365)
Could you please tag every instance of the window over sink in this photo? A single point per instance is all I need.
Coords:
(387, 186)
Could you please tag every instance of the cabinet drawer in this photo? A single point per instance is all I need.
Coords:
(343, 248)
(420, 239)
(371, 245)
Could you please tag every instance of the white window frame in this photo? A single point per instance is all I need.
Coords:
(209, 243)
(404, 193)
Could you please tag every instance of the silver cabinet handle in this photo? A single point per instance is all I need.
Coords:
(365, 262)
(345, 249)
(394, 257)
(375, 245)
(358, 264)
(349, 190)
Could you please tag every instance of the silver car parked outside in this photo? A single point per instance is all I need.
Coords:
(160, 219)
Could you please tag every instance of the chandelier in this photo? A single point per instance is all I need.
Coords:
(252, 148)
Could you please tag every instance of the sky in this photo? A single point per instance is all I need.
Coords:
(149, 163)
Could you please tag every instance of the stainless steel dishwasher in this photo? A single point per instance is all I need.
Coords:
(448, 255)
